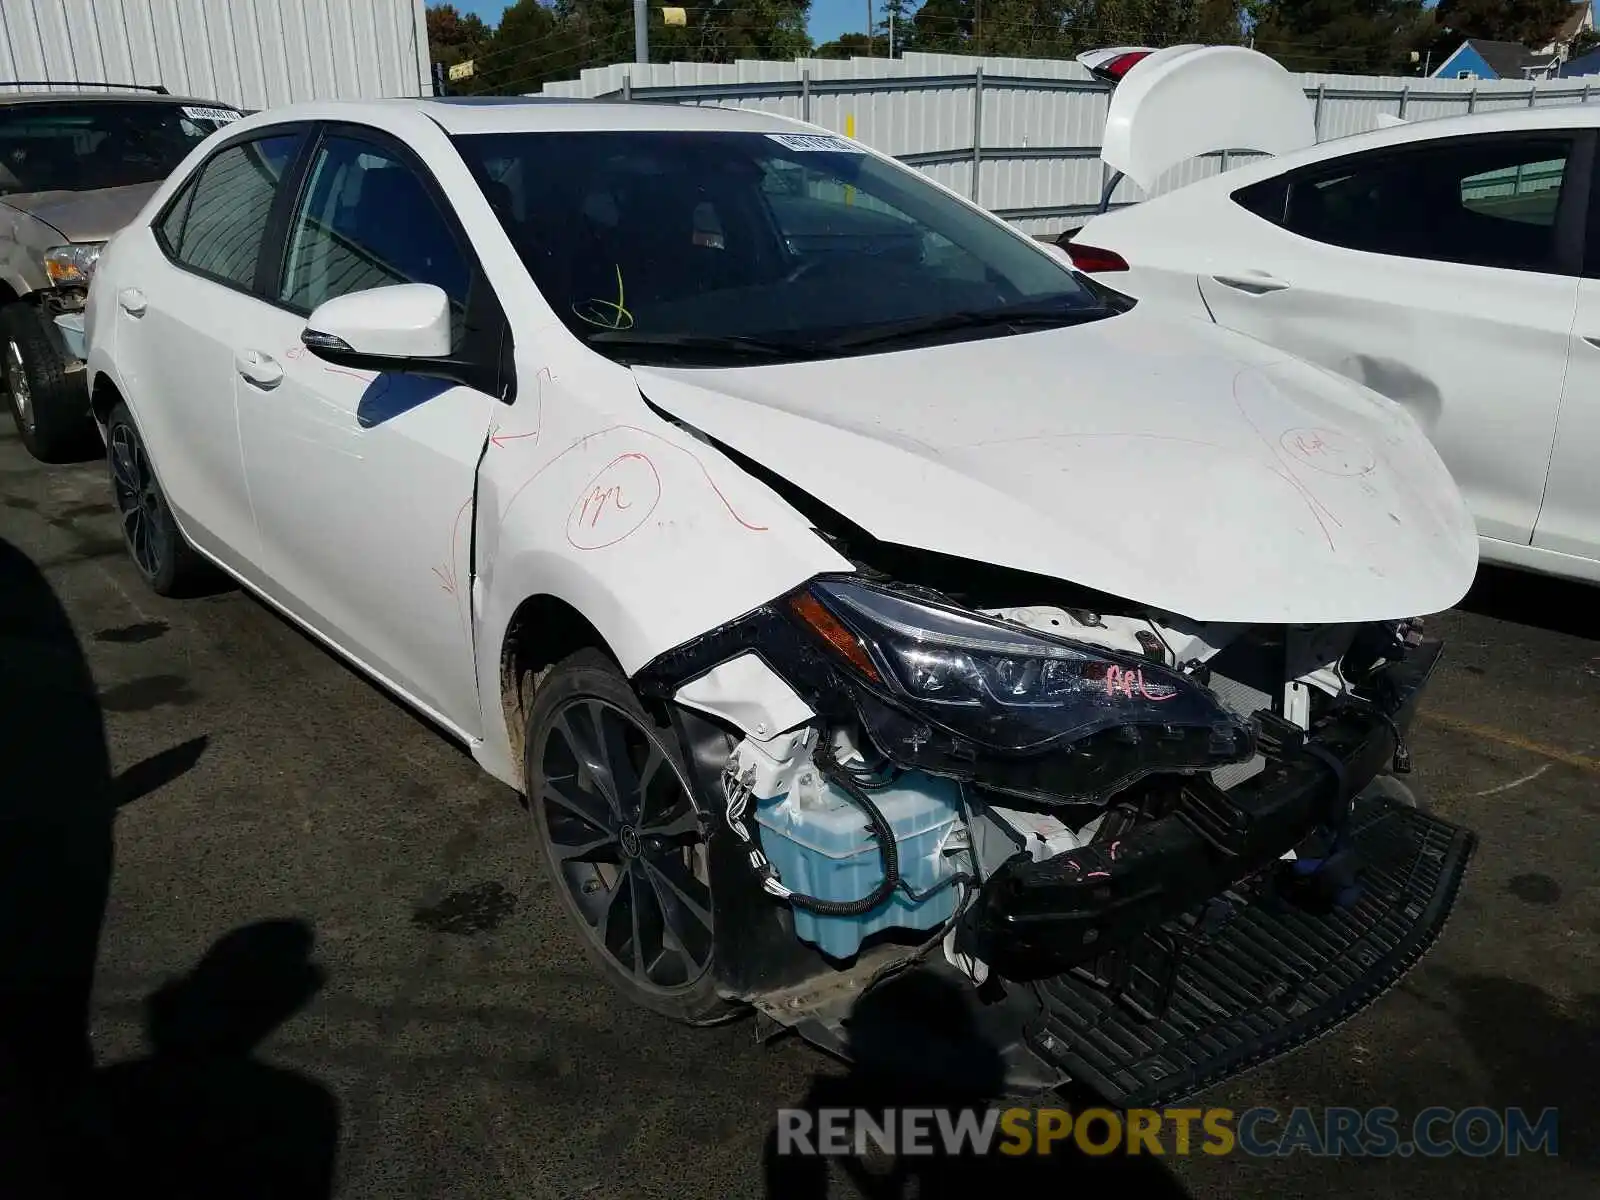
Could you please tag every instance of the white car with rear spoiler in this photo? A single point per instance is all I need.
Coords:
(1447, 264)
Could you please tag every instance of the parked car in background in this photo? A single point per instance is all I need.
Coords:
(847, 585)
(74, 167)
(1451, 265)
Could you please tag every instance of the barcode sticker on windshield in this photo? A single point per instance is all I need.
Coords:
(220, 115)
(825, 142)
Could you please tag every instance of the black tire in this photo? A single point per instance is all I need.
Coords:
(49, 405)
(160, 552)
(656, 847)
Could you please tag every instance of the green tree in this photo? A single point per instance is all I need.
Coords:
(454, 37)
(1362, 37)
(941, 26)
(725, 30)
(853, 45)
(1063, 28)
(1530, 23)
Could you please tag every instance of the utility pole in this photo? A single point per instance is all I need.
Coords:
(641, 31)
(893, 4)
(977, 33)
(869, 28)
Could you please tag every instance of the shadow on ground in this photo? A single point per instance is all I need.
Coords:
(200, 1115)
(1543, 601)
(1537, 1053)
(915, 1045)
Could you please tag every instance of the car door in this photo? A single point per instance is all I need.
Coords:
(1569, 521)
(1442, 274)
(180, 322)
(363, 484)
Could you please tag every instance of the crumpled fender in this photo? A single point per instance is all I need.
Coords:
(652, 535)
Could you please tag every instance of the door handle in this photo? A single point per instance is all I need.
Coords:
(1256, 283)
(260, 369)
(132, 301)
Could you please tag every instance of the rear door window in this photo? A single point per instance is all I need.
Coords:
(219, 221)
(1488, 202)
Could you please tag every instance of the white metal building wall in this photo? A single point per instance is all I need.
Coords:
(253, 53)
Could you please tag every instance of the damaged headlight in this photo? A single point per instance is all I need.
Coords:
(1007, 688)
(72, 266)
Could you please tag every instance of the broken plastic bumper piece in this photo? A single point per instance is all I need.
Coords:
(1248, 978)
(1035, 918)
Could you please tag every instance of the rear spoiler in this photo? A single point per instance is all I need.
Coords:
(1171, 105)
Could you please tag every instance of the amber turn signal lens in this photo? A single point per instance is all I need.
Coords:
(831, 630)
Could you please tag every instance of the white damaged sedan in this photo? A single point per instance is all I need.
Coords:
(848, 585)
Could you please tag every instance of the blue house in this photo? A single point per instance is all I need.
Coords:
(1479, 58)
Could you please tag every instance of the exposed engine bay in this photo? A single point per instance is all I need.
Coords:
(1068, 810)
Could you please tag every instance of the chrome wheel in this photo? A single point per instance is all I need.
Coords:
(138, 502)
(626, 842)
(17, 382)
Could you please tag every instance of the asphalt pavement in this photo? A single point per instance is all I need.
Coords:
(319, 935)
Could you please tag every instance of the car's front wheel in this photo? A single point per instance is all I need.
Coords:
(48, 403)
(622, 838)
(158, 548)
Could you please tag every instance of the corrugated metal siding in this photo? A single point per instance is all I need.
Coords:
(1040, 123)
(253, 53)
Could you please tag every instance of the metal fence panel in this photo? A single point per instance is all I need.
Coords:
(1031, 128)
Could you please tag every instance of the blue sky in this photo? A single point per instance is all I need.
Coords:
(829, 18)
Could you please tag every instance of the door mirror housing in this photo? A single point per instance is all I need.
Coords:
(403, 328)
(405, 320)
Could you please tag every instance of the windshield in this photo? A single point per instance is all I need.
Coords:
(672, 246)
(79, 145)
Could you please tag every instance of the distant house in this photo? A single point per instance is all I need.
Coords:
(1584, 64)
(1579, 20)
(1479, 58)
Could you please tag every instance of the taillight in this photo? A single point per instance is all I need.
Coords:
(1092, 259)
(1113, 70)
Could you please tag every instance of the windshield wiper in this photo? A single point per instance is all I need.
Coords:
(628, 339)
(1023, 316)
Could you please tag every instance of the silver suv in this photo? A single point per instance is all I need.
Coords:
(75, 166)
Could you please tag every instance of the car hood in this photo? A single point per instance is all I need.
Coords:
(1165, 461)
(91, 216)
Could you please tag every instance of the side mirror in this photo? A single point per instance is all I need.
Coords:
(407, 320)
(403, 328)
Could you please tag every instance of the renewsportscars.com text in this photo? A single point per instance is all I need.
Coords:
(1435, 1132)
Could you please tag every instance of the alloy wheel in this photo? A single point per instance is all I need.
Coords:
(17, 381)
(627, 843)
(138, 501)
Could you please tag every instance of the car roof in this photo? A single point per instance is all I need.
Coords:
(527, 114)
(137, 97)
(1510, 120)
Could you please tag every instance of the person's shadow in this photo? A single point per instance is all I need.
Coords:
(915, 1043)
(199, 1116)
